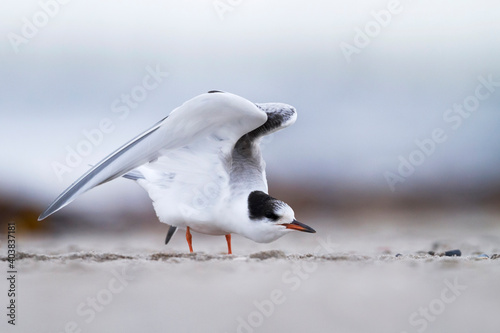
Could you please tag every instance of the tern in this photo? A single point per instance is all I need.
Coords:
(203, 169)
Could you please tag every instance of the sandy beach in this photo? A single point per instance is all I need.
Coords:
(393, 160)
(358, 273)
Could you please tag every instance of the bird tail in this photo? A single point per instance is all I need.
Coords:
(170, 233)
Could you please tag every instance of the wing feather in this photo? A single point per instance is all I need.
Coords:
(224, 117)
(113, 166)
(248, 166)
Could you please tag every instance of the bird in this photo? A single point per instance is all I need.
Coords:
(203, 169)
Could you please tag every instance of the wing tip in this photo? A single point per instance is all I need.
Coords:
(46, 213)
(55, 206)
(42, 216)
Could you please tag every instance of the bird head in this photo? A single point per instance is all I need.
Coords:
(271, 218)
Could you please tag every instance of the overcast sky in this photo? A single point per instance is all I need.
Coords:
(368, 78)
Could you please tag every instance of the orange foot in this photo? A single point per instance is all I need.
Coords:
(228, 240)
(189, 239)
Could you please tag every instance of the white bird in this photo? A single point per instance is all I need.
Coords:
(203, 169)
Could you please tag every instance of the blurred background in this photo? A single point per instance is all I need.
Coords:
(372, 82)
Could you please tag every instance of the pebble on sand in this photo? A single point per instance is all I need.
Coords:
(453, 253)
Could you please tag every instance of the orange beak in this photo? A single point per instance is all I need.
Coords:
(296, 225)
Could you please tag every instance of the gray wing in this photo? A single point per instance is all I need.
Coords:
(129, 156)
(208, 123)
(248, 171)
(279, 116)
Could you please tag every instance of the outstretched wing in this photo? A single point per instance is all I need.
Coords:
(248, 172)
(217, 119)
(279, 116)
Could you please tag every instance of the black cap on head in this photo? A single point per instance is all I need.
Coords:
(262, 205)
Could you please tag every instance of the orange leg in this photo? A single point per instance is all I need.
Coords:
(228, 240)
(189, 239)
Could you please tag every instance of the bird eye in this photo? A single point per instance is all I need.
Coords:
(272, 216)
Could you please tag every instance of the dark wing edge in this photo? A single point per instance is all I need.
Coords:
(279, 116)
(89, 181)
(246, 156)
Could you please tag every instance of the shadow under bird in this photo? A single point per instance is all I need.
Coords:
(203, 169)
